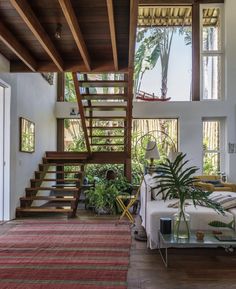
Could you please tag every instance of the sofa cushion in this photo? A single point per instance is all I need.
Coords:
(226, 200)
(215, 183)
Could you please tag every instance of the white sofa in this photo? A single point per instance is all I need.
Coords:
(152, 210)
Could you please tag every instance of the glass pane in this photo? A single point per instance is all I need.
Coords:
(163, 58)
(212, 81)
(163, 131)
(70, 95)
(211, 32)
(211, 135)
(211, 163)
(73, 135)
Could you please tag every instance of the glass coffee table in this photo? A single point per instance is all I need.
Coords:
(210, 240)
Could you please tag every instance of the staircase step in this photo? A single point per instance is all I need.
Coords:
(53, 162)
(107, 136)
(60, 172)
(49, 198)
(54, 189)
(55, 180)
(104, 144)
(112, 118)
(104, 96)
(103, 83)
(105, 108)
(106, 127)
(23, 211)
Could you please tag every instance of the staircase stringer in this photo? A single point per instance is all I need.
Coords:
(81, 111)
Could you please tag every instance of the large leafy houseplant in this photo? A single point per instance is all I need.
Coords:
(102, 197)
(176, 180)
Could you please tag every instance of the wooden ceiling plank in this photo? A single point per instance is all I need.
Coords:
(72, 21)
(110, 10)
(27, 14)
(9, 39)
(81, 111)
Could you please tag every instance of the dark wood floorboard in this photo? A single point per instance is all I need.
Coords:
(197, 268)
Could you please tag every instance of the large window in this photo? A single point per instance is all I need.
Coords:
(164, 132)
(163, 61)
(213, 146)
(212, 61)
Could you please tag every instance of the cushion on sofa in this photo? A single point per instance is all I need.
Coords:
(215, 183)
(226, 200)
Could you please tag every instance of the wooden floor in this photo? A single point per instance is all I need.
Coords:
(189, 268)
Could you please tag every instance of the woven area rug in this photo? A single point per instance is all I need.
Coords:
(65, 254)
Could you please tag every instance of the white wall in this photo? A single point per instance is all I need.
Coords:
(33, 98)
(4, 64)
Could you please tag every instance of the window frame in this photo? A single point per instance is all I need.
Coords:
(220, 53)
(222, 137)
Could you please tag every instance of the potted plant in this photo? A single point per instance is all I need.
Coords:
(177, 181)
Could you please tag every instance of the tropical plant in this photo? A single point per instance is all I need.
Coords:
(155, 43)
(103, 197)
(178, 181)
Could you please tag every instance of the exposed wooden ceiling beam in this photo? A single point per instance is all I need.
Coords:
(75, 30)
(27, 14)
(9, 39)
(110, 10)
(81, 111)
(132, 30)
(177, 2)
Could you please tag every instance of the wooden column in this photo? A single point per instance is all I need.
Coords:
(196, 46)
(60, 134)
(128, 169)
(60, 86)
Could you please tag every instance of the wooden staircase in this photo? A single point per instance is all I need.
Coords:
(56, 185)
(103, 106)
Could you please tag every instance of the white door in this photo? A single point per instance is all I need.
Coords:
(4, 152)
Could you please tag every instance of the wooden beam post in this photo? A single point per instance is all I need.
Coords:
(61, 86)
(128, 169)
(110, 10)
(196, 52)
(60, 134)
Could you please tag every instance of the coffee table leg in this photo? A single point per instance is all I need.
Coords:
(164, 256)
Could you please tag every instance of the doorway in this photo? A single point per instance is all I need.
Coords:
(4, 152)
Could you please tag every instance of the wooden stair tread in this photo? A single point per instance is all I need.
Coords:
(49, 198)
(112, 118)
(105, 108)
(61, 164)
(65, 209)
(59, 172)
(104, 144)
(105, 127)
(104, 96)
(106, 136)
(103, 83)
(68, 189)
(54, 179)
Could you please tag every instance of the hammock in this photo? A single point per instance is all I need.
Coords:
(149, 97)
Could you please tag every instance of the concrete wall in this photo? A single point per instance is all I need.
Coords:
(33, 98)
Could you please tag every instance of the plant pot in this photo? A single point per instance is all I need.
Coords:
(181, 221)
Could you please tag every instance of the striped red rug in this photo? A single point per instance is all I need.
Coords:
(65, 254)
